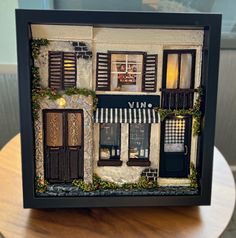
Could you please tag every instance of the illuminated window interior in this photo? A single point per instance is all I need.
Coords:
(126, 72)
(179, 70)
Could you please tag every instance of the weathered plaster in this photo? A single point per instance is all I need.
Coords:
(173, 182)
(148, 36)
(72, 102)
(84, 67)
(60, 32)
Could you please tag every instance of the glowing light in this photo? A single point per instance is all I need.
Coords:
(180, 117)
(61, 102)
(172, 71)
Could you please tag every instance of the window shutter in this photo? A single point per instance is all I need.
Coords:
(55, 59)
(150, 73)
(103, 72)
(69, 68)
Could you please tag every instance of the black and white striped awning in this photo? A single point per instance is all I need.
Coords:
(126, 115)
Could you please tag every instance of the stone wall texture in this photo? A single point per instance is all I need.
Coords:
(72, 102)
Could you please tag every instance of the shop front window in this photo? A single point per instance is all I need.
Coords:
(109, 145)
(139, 143)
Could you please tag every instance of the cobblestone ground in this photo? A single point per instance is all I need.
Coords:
(56, 190)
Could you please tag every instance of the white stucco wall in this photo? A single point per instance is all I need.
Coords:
(84, 67)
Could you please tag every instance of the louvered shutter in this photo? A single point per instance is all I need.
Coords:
(55, 66)
(69, 70)
(103, 72)
(150, 73)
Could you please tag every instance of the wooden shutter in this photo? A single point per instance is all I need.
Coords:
(150, 73)
(55, 61)
(69, 70)
(103, 72)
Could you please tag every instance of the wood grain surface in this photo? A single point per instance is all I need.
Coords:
(203, 221)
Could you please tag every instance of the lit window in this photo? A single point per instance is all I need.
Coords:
(109, 141)
(179, 71)
(139, 139)
(126, 72)
(62, 69)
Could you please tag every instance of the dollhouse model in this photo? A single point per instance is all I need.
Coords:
(117, 111)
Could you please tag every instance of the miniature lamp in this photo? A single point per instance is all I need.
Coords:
(61, 102)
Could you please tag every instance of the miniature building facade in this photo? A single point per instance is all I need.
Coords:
(134, 72)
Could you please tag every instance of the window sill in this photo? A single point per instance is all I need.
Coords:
(138, 162)
(109, 162)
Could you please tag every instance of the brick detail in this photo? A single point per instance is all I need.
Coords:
(150, 174)
(82, 50)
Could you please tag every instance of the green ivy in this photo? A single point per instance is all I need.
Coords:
(193, 176)
(41, 185)
(98, 183)
(195, 112)
(38, 92)
(36, 45)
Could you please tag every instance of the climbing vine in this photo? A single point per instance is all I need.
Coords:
(36, 45)
(193, 176)
(40, 184)
(39, 92)
(195, 112)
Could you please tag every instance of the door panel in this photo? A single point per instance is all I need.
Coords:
(175, 147)
(63, 145)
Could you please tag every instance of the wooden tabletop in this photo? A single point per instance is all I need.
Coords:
(203, 221)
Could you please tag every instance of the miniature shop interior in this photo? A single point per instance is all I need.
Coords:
(116, 110)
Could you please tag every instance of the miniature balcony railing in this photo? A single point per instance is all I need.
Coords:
(177, 98)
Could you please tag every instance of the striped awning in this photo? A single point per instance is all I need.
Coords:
(126, 115)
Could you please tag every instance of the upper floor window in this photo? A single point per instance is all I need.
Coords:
(178, 78)
(126, 71)
(179, 69)
(62, 69)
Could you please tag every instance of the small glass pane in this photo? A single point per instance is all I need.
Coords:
(74, 129)
(174, 135)
(139, 141)
(109, 141)
(172, 71)
(54, 129)
(186, 71)
(126, 72)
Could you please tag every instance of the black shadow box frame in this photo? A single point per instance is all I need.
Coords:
(211, 23)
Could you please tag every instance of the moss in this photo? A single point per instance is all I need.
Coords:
(36, 45)
(98, 183)
(41, 185)
(193, 176)
(195, 112)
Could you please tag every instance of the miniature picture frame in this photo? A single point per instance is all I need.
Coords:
(117, 108)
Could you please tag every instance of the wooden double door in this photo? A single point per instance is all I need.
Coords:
(63, 145)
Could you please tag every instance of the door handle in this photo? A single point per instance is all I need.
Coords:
(186, 150)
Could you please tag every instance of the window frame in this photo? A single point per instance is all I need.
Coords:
(109, 162)
(179, 52)
(140, 162)
(110, 53)
(62, 83)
